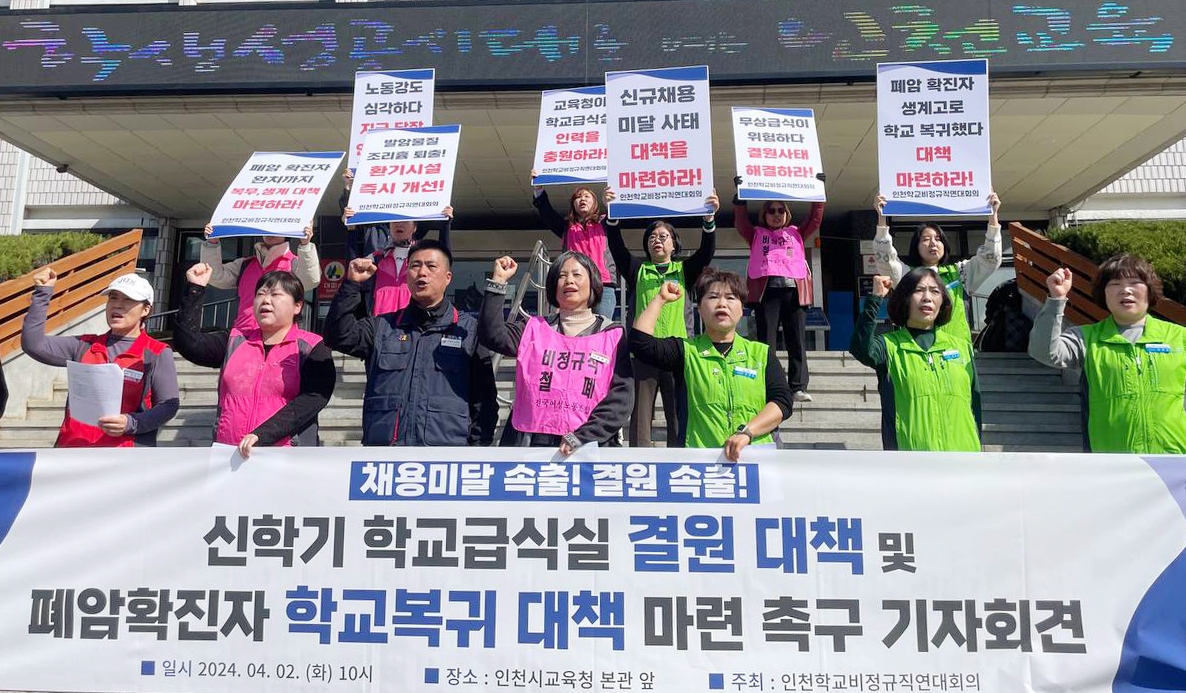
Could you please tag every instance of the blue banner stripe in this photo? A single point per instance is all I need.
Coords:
(16, 476)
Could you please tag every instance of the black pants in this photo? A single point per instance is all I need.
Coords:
(781, 306)
(649, 381)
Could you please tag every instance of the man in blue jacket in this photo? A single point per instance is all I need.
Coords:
(428, 381)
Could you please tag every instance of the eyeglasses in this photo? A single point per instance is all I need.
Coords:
(660, 237)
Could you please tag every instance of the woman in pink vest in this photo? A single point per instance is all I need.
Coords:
(573, 379)
(779, 280)
(150, 396)
(275, 377)
(270, 254)
(389, 290)
(582, 231)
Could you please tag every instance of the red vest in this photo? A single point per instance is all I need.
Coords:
(137, 392)
(253, 386)
(248, 278)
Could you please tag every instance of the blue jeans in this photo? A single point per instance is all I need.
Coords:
(609, 301)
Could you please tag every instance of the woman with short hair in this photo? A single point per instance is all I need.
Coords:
(929, 248)
(573, 380)
(735, 389)
(1133, 364)
(930, 399)
(275, 377)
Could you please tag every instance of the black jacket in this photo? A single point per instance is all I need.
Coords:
(428, 382)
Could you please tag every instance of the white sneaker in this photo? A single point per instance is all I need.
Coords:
(801, 396)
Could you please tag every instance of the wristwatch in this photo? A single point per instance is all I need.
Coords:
(743, 429)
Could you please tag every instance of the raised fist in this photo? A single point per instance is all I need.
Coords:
(199, 274)
(1059, 283)
(361, 269)
(504, 269)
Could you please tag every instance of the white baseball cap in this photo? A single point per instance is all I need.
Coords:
(133, 286)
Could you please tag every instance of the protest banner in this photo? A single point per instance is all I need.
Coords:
(659, 142)
(570, 144)
(429, 569)
(389, 100)
(405, 174)
(932, 138)
(275, 194)
(777, 153)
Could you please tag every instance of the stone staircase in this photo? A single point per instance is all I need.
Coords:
(845, 413)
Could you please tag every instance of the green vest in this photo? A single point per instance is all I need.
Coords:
(932, 393)
(724, 392)
(1134, 391)
(958, 326)
(646, 287)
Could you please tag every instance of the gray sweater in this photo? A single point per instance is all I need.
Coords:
(56, 351)
(1052, 346)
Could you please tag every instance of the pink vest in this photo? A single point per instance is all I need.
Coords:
(253, 387)
(391, 288)
(248, 278)
(590, 239)
(559, 380)
(777, 253)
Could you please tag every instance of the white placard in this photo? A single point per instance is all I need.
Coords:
(406, 569)
(405, 174)
(570, 145)
(659, 132)
(387, 100)
(777, 154)
(94, 390)
(275, 194)
(932, 138)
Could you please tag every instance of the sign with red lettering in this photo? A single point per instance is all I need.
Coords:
(777, 152)
(932, 138)
(570, 146)
(388, 100)
(659, 131)
(275, 194)
(405, 175)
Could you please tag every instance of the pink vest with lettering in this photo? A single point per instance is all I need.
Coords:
(559, 380)
(391, 287)
(248, 278)
(589, 238)
(253, 387)
(777, 253)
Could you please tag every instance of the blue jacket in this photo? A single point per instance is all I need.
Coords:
(428, 382)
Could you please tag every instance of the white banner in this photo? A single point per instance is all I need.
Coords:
(405, 174)
(932, 144)
(418, 569)
(275, 194)
(777, 153)
(570, 144)
(389, 100)
(659, 131)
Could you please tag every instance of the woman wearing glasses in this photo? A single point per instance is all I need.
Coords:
(925, 375)
(779, 280)
(644, 276)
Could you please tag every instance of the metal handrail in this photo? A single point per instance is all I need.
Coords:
(533, 278)
(225, 324)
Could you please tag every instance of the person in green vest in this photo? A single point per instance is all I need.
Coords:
(929, 248)
(1133, 365)
(735, 390)
(644, 276)
(930, 399)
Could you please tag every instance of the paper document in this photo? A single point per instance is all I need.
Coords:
(95, 390)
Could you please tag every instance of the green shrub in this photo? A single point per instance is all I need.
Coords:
(1162, 243)
(21, 254)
